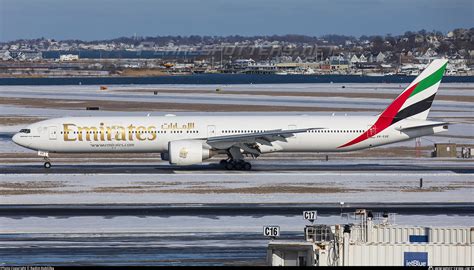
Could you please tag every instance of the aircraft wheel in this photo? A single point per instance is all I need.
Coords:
(239, 165)
(247, 166)
(229, 166)
(223, 162)
(47, 165)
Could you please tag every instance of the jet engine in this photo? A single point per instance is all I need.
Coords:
(188, 152)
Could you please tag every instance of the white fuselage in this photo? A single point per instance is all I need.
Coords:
(152, 134)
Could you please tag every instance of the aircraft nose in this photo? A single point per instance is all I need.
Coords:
(16, 139)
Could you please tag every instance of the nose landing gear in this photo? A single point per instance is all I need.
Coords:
(45, 155)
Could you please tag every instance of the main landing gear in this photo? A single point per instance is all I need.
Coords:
(236, 165)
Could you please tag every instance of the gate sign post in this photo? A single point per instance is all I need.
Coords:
(310, 215)
(271, 231)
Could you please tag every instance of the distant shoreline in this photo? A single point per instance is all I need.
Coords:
(220, 79)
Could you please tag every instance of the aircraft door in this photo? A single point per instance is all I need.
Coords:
(52, 133)
(211, 131)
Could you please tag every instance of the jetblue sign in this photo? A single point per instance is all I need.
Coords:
(415, 259)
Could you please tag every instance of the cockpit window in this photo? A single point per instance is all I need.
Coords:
(25, 130)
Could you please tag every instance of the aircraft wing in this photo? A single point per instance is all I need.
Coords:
(247, 141)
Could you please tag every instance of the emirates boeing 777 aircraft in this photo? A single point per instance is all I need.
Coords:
(185, 140)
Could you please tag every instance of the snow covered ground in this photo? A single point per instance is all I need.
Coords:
(194, 224)
(446, 88)
(219, 188)
(92, 93)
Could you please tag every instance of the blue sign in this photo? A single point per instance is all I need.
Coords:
(415, 259)
(419, 239)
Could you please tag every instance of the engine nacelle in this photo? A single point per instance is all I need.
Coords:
(188, 152)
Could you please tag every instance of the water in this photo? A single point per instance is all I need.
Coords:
(223, 79)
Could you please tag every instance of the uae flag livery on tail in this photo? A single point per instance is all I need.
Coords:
(414, 102)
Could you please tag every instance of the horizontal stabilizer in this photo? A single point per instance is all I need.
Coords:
(425, 125)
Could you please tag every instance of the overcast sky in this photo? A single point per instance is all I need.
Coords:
(104, 19)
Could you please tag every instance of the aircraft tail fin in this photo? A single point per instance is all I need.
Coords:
(415, 101)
